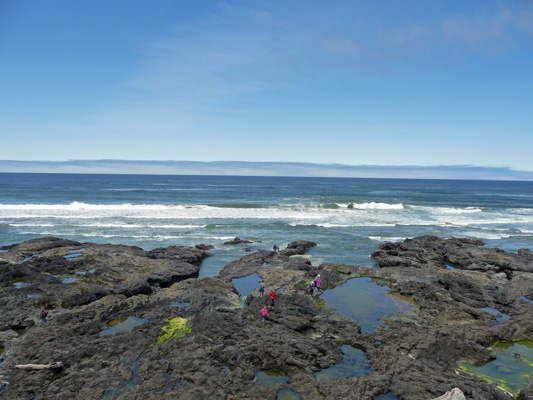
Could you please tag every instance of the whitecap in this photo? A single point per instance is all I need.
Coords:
(386, 239)
(376, 206)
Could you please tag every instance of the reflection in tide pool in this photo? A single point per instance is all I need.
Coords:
(271, 377)
(500, 317)
(178, 304)
(246, 285)
(512, 367)
(363, 300)
(21, 283)
(91, 271)
(354, 364)
(122, 324)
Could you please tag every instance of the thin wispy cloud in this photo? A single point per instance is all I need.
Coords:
(211, 60)
(265, 169)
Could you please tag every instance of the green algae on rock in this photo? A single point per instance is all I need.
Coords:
(512, 367)
(177, 328)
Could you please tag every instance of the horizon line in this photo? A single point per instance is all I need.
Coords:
(264, 168)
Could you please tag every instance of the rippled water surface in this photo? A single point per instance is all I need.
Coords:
(347, 217)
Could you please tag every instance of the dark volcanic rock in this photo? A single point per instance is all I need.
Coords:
(98, 271)
(237, 241)
(204, 247)
(466, 254)
(415, 357)
(297, 247)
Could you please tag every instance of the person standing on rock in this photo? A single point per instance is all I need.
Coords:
(261, 288)
(44, 315)
(276, 249)
(311, 288)
(318, 282)
(273, 297)
(264, 314)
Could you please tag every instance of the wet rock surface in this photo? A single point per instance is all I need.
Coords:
(224, 343)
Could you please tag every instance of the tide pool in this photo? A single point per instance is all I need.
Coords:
(247, 284)
(288, 394)
(366, 301)
(512, 367)
(354, 364)
(122, 324)
(270, 377)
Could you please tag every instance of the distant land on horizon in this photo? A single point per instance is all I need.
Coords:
(252, 168)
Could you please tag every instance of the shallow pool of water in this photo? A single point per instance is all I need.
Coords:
(74, 254)
(246, 285)
(119, 386)
(364, 300)
(177, 304)
(271, 378)
(21, 283)
(288, 394)
(500, 317)
(512, 367)
(122, 324)
(91, 271)
(71, 279)
(354, 364)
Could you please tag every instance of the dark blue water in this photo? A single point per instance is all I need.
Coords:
(347, 217)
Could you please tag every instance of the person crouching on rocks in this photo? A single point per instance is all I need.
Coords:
(273, 297)
(261, 288)
(264, 313)
(44, 315)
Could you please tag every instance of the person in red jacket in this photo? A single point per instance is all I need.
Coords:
(273, 297)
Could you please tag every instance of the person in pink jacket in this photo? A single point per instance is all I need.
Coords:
(264, 313)
(318, 282)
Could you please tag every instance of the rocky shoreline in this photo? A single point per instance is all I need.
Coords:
(195, 338)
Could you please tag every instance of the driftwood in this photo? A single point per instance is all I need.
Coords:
(52, 365)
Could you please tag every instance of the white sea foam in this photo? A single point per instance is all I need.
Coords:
(386, 239)
(199, 216)
(486, 235)
(107, 236)
(448, 210)
(376, 206)
(78, 206)
(111, 225)
(361, 224)
(32, 225)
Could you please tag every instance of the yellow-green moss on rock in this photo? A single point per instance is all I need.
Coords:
(177, 328)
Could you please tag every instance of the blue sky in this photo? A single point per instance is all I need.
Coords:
(352, 82)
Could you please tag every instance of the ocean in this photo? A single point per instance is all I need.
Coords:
(347, 217)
